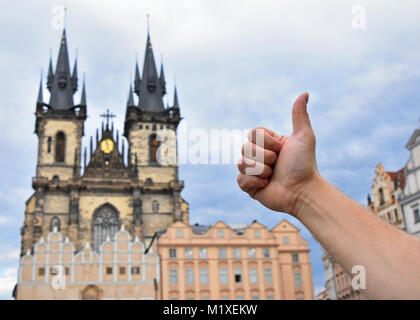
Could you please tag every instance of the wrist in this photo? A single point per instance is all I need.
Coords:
(306, 194)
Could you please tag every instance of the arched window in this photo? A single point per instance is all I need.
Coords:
(105, 224)
(381, 197)
(55, 224)
(60, 147)
(153, 145)
(155, 206)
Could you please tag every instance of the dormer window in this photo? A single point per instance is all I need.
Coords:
(151, 86)
(62, 80)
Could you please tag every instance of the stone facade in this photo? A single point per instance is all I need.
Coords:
(48, 129)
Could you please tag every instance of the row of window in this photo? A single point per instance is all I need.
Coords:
(155, 126)
(221, 234)
(53, 271)
(222, 253)
(223, 276)
(108, 270)
(236, 253)
(122, 270)
(395, 216)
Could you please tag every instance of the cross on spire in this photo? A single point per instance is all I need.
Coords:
(107, 116)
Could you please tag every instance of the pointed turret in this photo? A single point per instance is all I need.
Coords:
(176, 103)
(150, 86)
(162, 80)
(83, 98)
(62, 88)
(137, 80)
(130, 102)
(83, 105)
(50, 77)
(40, 100)
(74, 79)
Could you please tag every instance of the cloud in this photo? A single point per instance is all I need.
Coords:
(12, 255)
(236, 67)
(8, 279)
(4, 220)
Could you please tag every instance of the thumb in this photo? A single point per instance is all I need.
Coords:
(300, 116)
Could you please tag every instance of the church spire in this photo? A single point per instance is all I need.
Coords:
(83, 98)
(137, 80)
(162, 80)
(40, 99)
(130, 102)
(150, 87)
(62, 88)
(74, 79)
(50, 77)
(176, 103)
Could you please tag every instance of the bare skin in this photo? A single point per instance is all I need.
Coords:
(290, 182)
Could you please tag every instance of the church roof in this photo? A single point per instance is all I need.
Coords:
(150, 88)
(397, 177)
(62, 84)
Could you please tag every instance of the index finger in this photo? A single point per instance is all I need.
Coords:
(266, 139)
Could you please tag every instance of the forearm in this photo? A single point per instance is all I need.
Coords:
(354, 236)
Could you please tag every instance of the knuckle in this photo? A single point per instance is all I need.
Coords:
(241, 181)
(241, 167)
(271, 157)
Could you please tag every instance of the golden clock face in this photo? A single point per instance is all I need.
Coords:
(107, 145)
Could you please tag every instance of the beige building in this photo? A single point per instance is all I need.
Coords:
(118, 270)
(386, 190)
(238, 262)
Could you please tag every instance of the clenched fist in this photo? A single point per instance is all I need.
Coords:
(287, 168)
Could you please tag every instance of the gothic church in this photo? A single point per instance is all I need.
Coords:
(88, 199)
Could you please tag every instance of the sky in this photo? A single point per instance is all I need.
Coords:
(237, 65)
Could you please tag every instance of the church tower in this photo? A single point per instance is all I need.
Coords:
(59, 124)
(151, 131)
(59, 127)
(138, 184)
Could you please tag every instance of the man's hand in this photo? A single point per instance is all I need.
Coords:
(288, 170)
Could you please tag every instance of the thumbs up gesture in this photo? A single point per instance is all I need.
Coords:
(284, 168)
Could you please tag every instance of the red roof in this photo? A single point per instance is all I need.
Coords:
(397, 175)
